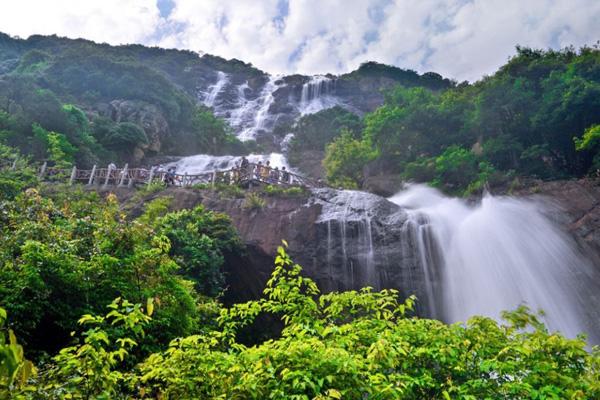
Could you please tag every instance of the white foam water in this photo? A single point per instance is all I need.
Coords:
(501, 253)
(202, 163)
(259, 109)
(215, 89)
(317, 95)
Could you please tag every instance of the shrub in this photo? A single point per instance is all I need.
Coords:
(254, 201)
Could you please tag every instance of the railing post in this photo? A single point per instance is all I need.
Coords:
(150, 176)
(213, 178)
(185, 177)
(43, 170)
(73, 173)
(108, 170)
(123, 174)
(91, 180)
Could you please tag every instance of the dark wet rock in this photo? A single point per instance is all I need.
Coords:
(343, 240)
(349, 239)
(578, 209)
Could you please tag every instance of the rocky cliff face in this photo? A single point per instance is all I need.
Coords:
(578, 203)
(158, 88)
(260, 106)
(343, 240)
(149, 117)
(348, 240)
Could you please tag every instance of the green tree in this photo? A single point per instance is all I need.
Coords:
(200, 241)
(57, 147)
(91, 369)
(345, 159)
(590, 142)
(61, 259)
(209, 134)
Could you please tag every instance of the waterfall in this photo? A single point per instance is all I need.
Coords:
(248, 109)
(206, 163)
(243, 107)
(286, 141)
(347, 218)
(215, 89)
(317, 95)
(498, 254)
(260, 110)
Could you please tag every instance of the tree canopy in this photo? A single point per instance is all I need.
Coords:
(520, 121)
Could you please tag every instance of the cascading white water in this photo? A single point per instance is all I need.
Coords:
(247, 116)
(249, 113)
(501, 253)
(286, 141)
(243, 108)
(215, 89)
(206, 163)
(260, 109)
(317, 95)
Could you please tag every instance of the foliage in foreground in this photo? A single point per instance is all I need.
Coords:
(358, 345)
(65, 253)
(350, 345)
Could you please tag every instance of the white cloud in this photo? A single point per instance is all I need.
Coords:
(111, 21)
(458, 38)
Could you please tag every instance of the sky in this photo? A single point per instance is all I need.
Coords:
(460, 39)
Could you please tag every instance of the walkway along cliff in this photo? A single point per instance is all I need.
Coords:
(252, 173)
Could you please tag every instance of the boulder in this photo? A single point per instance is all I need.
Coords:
(147, 116)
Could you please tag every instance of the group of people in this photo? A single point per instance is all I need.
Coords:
(262, 172)
(243, 171)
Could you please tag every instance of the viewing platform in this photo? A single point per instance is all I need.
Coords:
(251, 175)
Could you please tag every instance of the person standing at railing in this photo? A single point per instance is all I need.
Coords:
(245, 171)
(285, 176)
(170, 176)
(274, 175)
(265, 170)
(258, 170)
(235, 174)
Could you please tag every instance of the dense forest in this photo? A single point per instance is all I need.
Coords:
(537, 116)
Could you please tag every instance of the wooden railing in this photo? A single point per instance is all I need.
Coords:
(252, 174)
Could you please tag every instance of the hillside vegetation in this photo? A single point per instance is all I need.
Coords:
(105, 103)
(537, 116)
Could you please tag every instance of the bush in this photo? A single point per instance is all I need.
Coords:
(200, 240)
(456, 171)
(70, 256)
(282, 191)
(254, 201)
